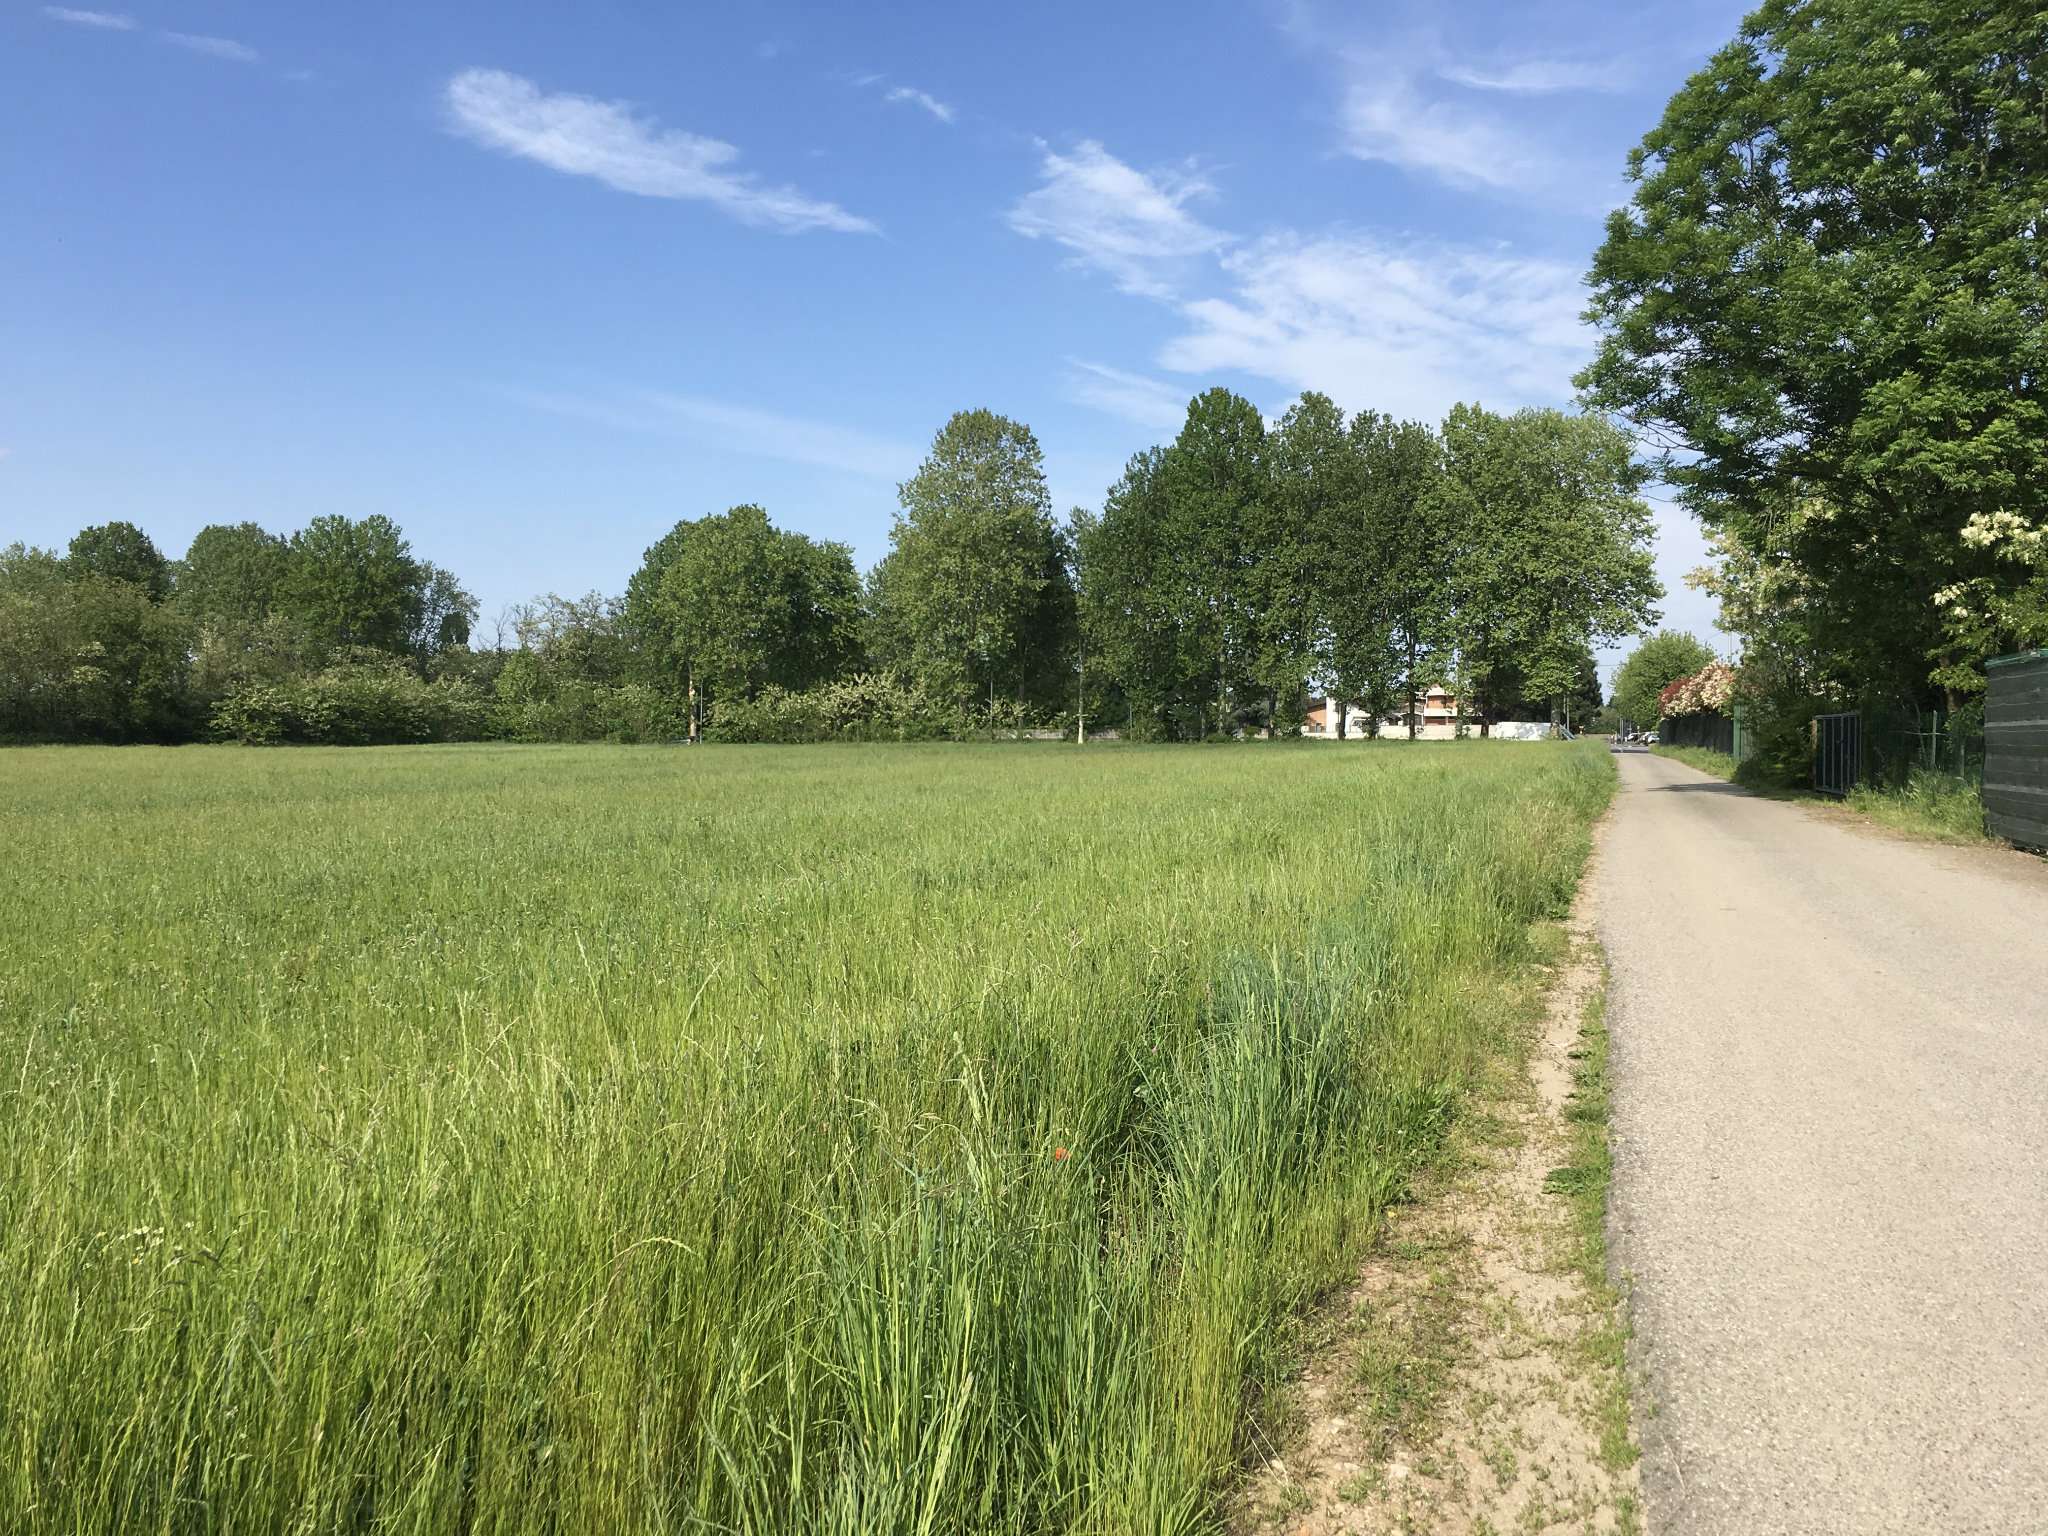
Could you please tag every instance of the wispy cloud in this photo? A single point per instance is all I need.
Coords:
(1388, 117)
(734, 428)
(1543, 76)
(607, 141)
(1131, 396)
(919, 98)
(1411, 327)
(215, 47)
(1445, 93)
(105, 21)
(1132, 225)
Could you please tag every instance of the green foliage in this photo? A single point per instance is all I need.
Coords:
(1942, 807)
(869, 706)
(231, 575)
(1216, 532)
(1138, 628)
(530, 703)
(741, 605)
(367, 698)
(120, 552)
(1658, 662)
(355, 584)
(1551, 549)
(84, 657)
(1387, 582)
(580, 1139)
(1825, 300)
(974, 598)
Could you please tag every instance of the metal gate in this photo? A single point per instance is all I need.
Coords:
(1837, 752)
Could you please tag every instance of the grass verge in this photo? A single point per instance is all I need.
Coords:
(1934, 807)
(1938, 807)
(1706, 759)
(1585, 1181)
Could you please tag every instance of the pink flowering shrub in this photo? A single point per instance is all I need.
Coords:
(1708, 691)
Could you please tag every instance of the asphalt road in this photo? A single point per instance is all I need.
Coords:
(1830, 1057)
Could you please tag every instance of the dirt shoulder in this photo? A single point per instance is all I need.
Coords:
(1472, 1381)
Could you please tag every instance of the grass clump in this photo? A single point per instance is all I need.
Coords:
(1943, 807)
(1584, 1182)
(568, 1139)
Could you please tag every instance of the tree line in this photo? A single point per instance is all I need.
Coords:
(1230, 576)
(1826, 308)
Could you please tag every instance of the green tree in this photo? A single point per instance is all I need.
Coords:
(1390, 588)
(960, 600)
(1213, 482)
(740, 605)
(1308, 585)
(232, 573)
(1550, 548)
(641, 615)
(352, 583)
(1141, 626)
(1653, 666)
(1828, 296)
(120, 551)
(88, 657)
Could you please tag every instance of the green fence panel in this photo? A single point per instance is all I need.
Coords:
(2016, 749)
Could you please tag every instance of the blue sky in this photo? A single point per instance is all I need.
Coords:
(536, 281)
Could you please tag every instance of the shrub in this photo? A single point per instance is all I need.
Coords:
(366, 700)
(534, 704)
(871, 706)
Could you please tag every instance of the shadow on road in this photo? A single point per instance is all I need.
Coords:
(1718, 787)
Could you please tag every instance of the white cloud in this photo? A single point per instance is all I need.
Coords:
(735, 429)
(1119, 220)
(1406, 327)
(105, 21)
(770, 435)
(1388, 117)
(215, 47)
(1132, 396)
(1542, 76)
(931, 104)
(605, 140)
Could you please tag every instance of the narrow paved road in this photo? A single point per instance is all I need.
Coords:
(1830, 1054)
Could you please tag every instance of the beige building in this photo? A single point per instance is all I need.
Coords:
(1439, 719)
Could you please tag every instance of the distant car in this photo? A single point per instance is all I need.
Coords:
(1649, 738)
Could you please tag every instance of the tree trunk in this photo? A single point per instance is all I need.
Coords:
(1081, 697)
(1414, 701)
(692, 675)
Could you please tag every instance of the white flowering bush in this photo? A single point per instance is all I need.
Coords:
(1708, 691)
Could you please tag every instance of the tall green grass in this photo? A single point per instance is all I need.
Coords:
(1944, 807)
(563, 1140)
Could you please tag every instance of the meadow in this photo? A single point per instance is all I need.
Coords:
(530, 1139)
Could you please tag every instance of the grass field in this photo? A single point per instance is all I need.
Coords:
(852, 1140)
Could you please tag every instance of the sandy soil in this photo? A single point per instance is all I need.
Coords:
(1452, 1390)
